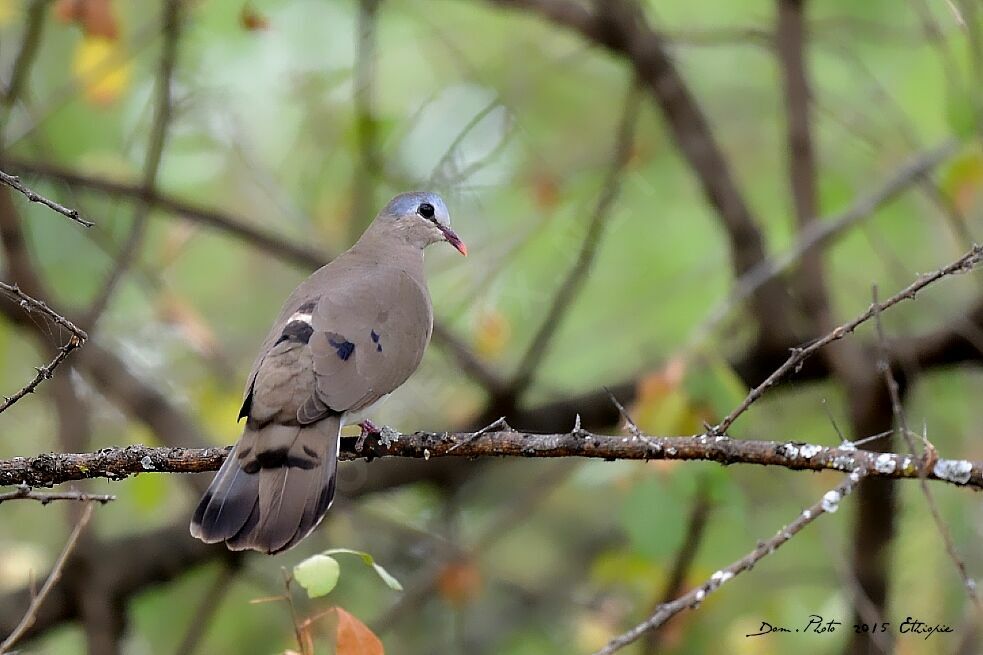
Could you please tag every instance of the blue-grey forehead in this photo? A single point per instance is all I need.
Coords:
(407, 203)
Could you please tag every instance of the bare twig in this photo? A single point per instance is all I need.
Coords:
(53, 578)
(965, 263)
(44, 497)
(621, 27)
(163, 111)
(902, 427)
(691, 600)
(14, 183)
(45, 372)
(567, 291)
(39, 306)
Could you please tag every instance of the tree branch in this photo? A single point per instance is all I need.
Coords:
(32, 611)
(965, 263)
(14, 183)
(119, 463)
(565, 294)
(620, 28)
(827, 505)
(163, 111)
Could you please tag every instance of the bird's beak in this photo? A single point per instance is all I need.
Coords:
(452, 238)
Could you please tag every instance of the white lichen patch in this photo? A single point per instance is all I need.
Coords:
(671, 451)
(809, 451)
(843, 462)
(905, 463)
(847, 445)
(720, 577)
(700, 595)
(789, 451)
(807, 515)
(831, 501)
(885, 463)
(953, 470)
(147, 463)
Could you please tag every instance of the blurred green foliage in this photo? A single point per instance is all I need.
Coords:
(264, 128)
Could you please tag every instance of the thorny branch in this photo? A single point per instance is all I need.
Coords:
(901, 426)
(119, 463)
(43, 372)
(965, 263)
(691, 600)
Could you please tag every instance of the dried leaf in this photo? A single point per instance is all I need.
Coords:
(95, 17)
(354, 638)
(459, 582)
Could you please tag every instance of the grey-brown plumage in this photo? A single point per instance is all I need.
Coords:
(347, 336)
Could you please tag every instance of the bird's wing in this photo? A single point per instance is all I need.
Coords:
(370, 332)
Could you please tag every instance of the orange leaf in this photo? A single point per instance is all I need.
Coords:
(94, 16)
(354, 638)
(459, 582)
(251, 20)
(546, 190)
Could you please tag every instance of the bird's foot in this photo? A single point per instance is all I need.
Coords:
(368, 427)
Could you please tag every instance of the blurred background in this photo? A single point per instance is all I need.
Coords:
(619, 171)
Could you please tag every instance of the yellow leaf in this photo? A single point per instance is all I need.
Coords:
(963, 178)
(663, 405)
(492, 333)
(354, 638)
(9, 9)
(102, 69)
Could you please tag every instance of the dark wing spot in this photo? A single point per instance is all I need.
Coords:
(378, 348)
(297, 331)
(375, 336)
(342, 346)
(272, 459)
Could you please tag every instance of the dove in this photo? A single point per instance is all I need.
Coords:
(348, 336)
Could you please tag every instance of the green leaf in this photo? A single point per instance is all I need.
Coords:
(962, 112)
(386, 576)
(317, 574)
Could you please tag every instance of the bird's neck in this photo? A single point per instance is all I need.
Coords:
(402, 256)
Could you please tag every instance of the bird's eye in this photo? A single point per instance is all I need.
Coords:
(425, 210)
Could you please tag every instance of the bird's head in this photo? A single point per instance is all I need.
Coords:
(420, 218)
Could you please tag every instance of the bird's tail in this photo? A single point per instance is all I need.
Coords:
(273, 489)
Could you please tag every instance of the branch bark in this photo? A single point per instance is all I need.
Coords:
(119, 463)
